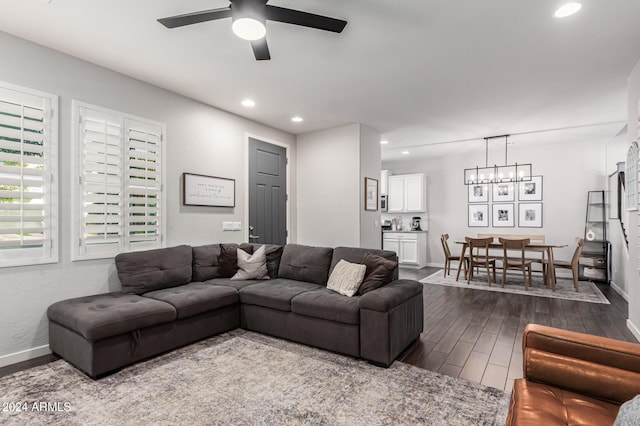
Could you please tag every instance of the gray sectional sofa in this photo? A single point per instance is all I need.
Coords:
(175, 296)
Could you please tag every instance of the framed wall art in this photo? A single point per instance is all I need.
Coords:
(209, 191)
(479, 193)
(530, 215)
(503, 216)
(478, 215)
(370, 194)
(503, 192)
(530, 190)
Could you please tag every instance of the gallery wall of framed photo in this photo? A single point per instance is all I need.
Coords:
(504, 211)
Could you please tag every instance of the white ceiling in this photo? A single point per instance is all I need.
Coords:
(418, 71)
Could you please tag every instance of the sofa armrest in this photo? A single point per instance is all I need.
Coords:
(387, 297)
(604, 368)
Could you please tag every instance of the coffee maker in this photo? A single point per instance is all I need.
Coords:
(415, 223)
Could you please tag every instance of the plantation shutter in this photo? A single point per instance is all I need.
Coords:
(119, 200)
(144, 184)
(27, 150)
(101, 162)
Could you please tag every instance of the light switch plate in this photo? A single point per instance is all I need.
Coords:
(227, 226)
(236, 226)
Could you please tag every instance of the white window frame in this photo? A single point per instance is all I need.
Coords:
(48, 252)
(79, 250)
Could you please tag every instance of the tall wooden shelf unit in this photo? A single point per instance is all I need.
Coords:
(594, 262)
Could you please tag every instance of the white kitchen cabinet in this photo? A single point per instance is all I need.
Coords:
(411, 247)
(407, 193)
(384, 176)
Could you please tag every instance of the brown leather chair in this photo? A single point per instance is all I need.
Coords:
(511, 248)
(480, 257)
(448, 257)
(573, 378)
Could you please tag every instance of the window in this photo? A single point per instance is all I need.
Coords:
(118, 200)
(28, 176)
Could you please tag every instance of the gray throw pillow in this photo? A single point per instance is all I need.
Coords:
(252, 267)
(346, 277)
(629, 414)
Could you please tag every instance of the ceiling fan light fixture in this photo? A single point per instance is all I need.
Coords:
(249, 29)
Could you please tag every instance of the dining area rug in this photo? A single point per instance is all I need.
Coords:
(589, 292)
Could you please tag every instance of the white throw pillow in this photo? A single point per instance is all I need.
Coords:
(346, 277)
(252, 267)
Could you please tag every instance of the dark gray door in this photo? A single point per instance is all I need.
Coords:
(267, 193)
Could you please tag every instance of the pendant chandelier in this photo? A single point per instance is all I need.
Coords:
(497, 174)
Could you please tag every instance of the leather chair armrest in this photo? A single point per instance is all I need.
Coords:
(389, 296)
(601, 367)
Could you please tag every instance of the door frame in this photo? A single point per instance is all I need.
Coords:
(287, 148)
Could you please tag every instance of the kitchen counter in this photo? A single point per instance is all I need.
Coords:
(406, 231)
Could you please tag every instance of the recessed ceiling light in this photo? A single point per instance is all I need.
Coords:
(296, 119)
(567, 10)
(248, 103)
(405, 152)
(384, 142)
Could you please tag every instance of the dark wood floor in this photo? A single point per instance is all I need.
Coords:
(477, 334)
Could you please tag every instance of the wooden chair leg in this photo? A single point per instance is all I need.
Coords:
(530, 267)
(575, 279)
(444, 271)
(489, 275)
(504, 275)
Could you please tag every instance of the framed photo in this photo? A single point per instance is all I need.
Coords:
(503, 192)
(209, 191)
(531, 190)
(371, 194)
(530, 215)
(503, 216)
(478, 215)
(479, 193)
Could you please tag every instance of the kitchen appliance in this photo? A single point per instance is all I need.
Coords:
(383, 203)
(386, 225)
(415, 223)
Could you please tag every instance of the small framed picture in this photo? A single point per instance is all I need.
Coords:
(503, 192)
(479, 193)
(530, 215)
(503, 216)
(478, 215)
(370, 194)
(531, 190)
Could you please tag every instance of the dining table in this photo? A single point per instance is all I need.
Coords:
(533, 246)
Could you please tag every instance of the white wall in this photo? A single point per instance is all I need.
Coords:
(329, 187)
(370, 231)
(331, 166)
(633, 280)
(200, 139)
(569, 170)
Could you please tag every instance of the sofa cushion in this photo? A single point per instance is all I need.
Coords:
(380, 271)
(205, 262)
(305, 263)
(144, 271)
(196, 298)
(228, 282)
(105, 315)
(228, 260)
(538, 404)
(358, 255)
(346, 278)
(252, 266)
(275, 294)
(328, 305)
(274, 254)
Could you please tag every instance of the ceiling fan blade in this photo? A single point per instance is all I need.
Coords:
(305, 19)
(260, 49)
(195, 17)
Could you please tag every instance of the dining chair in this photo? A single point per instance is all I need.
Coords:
(573, 264)
(448, 257)
(514, 258)
(480, 257)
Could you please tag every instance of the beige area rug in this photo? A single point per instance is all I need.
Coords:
(589, 292)
(247, 378)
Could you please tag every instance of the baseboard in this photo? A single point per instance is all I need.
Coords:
(634, 330)
(24, 355)
(620, 291)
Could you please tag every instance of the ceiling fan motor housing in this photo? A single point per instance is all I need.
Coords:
(251, 9)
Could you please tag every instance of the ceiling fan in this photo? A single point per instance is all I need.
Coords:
(249, 18)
